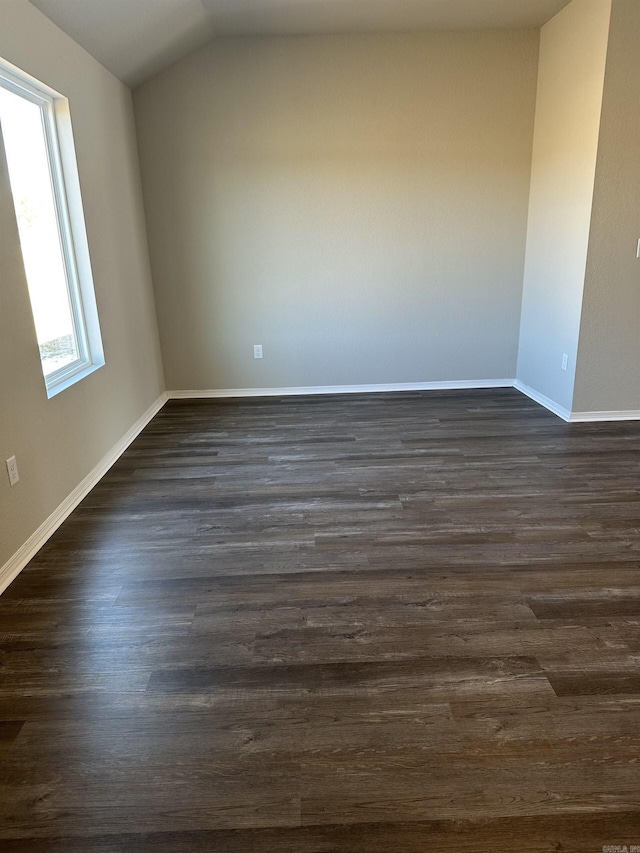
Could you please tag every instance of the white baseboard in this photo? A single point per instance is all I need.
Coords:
(23, 555)
(455, 385)
(589, 417)
(576, 417)
(547, 402)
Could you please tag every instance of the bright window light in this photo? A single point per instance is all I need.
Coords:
(63, 305)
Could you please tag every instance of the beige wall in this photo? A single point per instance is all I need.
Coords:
(356, 204)
(58, 441)
(608, 374)
(573, 50)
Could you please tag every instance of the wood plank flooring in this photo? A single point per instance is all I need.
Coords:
(368, 624)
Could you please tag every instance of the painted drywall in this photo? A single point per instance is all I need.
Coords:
(608, 371)
(573, 50)
(355, 204)
(57, 442)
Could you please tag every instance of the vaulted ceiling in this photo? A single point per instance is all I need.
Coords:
(137, 38)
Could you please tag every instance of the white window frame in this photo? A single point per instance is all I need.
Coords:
(65, 183)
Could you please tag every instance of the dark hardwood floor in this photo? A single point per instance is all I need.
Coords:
(376, 624)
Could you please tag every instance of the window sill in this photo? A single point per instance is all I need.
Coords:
(68, 381)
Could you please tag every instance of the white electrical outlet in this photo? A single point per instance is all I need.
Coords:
(565, 360)
(638, 250)
(12, 470)
(257, 351)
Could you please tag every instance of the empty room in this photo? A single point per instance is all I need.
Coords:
(319, 426)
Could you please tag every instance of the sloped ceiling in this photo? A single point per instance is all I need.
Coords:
(137, 38)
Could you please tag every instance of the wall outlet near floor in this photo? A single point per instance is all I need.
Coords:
(565, 360)
(257, 351)
(12, 471)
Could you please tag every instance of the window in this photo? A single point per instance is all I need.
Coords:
(38, 143)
